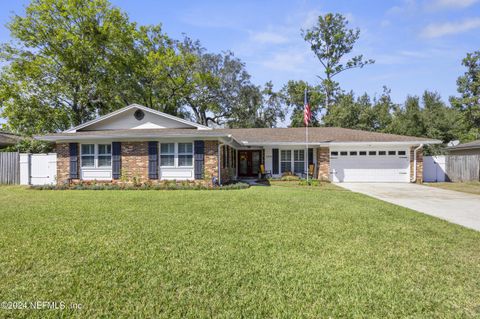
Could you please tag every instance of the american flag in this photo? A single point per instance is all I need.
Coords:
(307, 114)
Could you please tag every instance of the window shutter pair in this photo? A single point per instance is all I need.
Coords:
(153, 160)
(199, 157)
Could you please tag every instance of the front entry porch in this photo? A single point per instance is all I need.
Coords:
(249, 162)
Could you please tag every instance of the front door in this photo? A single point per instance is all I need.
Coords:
(248, 163)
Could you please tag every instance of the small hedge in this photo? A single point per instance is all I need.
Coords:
(144, 186)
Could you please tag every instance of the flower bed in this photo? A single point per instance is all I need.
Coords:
(163, 185)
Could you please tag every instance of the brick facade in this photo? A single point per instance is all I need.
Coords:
(419, 164)
(134, 156)
(63, 162)
(323, 163)
(211, 160)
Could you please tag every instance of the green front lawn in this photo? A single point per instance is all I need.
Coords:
(465, 187)
(277, 252)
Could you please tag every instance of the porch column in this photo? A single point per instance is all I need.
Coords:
(323, 163)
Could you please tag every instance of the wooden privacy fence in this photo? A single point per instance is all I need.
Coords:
(460, 168)
(9, 168)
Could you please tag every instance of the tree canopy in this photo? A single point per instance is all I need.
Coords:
(73, 60)
(331, 40)
(70, 61)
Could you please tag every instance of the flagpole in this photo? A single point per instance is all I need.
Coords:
(306, 139)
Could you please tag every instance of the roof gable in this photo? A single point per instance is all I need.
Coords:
(125, 119)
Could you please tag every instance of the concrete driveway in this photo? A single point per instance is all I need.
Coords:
(456, 207)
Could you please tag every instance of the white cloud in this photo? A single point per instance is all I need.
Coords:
(268, 37)
(310, 19)
(385, 23)
(436, 30)
(439, 4)
(407, 7)
(285, 61)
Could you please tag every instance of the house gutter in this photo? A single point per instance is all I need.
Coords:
(414, 179)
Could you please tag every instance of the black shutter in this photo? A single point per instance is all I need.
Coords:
(153, 160)
(199, 159)
(310, 156)
(275, 160)
(116, 160)
(73, 147)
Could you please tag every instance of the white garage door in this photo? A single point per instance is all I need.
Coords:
(370, 166)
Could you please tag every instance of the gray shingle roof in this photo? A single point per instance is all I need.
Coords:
(474, 144)
(7, 139)
(316, 135)
(250, 136)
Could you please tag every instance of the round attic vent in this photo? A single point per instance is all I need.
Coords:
(139, 115)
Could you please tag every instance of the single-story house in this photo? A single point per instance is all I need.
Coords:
(8, 139)
(471, 148)
(142, 143)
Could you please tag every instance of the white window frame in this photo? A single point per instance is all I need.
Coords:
(183, 153)
(169, 154)
(292, 160)
(175, 154)
(285, 161)
(302, 161)
(95, 156)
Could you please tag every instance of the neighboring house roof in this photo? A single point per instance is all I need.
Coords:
(7, 139)
(464, 146)
(251, 136)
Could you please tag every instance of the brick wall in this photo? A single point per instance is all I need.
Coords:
(211, 160)
(419, 164)
(135, 160)
(63, 162)
(323, 163)
(134, 156)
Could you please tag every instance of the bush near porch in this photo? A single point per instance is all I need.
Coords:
(260, 252)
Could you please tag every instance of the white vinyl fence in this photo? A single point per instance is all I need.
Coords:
(38, 169)
(434, 168)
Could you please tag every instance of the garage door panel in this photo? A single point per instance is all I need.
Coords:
(370, 169)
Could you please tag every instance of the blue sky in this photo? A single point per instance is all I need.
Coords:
(417, 44)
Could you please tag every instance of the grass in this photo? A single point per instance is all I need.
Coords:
(465, 187)
(277, 252)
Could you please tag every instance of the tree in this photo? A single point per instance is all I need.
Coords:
(57, 74)
(468, 85)
(383, 108)
(345, 112)
(293, 94)
(221, 93)
(331, 40)
(74, 60)
(408, 120)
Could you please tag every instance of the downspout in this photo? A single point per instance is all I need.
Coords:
(414, 178)
(219, 164)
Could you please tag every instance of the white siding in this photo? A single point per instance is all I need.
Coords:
(127, 120)
(169, 173)
(98, 174)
